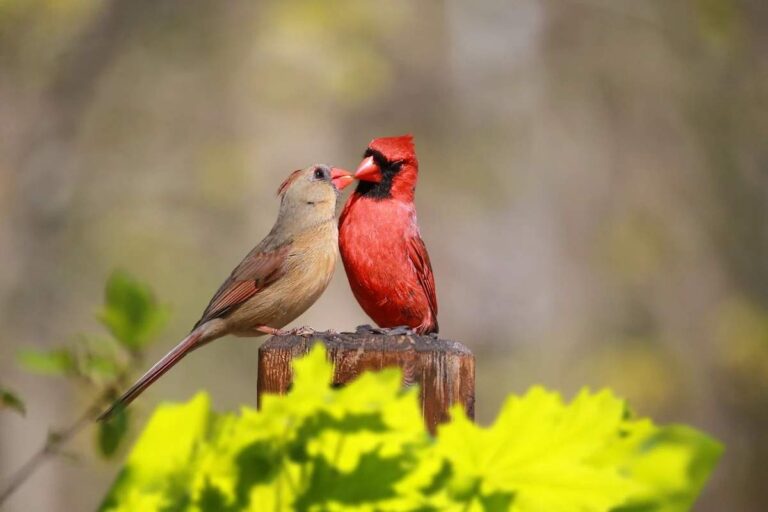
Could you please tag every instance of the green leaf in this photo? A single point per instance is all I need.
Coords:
(48, 362)
(257, 463)
(10, 400)
(131, 312)
(99, 366)
(112, 432)
(99, 358)
(364, 447)
(673, 463)
(212, 500)
(539, 449)
(160, 464)
(372, 479)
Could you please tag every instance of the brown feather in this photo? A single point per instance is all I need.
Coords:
(257, 271)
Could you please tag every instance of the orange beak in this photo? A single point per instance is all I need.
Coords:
(368, 170)
(341, 178)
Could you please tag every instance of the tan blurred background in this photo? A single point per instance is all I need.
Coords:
(594, 192)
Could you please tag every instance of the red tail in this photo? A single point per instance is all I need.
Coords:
(186, 345)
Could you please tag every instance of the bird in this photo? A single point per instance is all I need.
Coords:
(277, 280)
(385, 259)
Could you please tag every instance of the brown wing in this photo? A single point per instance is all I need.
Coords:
(257, 271)
(420, 259)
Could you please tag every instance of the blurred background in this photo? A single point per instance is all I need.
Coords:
(593, 193)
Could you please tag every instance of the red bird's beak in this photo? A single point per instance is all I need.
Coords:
(341, 178)
(368, 170)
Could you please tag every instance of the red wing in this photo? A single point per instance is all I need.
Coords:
(258, 270)
(420, 259)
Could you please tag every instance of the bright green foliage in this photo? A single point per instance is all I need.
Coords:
(10, 400)
(586, 455)
(131, 312)
(364, 448)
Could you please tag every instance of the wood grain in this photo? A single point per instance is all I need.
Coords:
(444, 369)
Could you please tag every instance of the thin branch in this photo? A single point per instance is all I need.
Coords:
(56, 440)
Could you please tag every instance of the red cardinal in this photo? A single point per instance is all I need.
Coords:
(385, 258)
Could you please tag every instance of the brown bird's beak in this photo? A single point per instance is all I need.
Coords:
(341, 178)
(368, 170)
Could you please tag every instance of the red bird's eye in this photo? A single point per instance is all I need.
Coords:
(319, 174)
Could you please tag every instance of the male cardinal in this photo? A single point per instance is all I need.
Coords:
(386, 261)
(278, 280)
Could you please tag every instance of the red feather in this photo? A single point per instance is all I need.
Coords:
(396, 149)
(420, 259)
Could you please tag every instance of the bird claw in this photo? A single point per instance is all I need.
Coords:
(400, 330)
(303, 331)
(271, 331)
(366, 329)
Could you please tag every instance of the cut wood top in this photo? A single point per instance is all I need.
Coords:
(369, 341)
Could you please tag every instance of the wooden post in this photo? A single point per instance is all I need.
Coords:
(445, 370)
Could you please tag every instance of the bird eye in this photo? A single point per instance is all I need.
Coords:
(319, 174)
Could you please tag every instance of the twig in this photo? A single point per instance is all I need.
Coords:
(57, 439)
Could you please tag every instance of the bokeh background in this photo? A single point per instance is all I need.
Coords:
(594, 192)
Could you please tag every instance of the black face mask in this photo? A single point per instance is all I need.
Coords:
(383, 189)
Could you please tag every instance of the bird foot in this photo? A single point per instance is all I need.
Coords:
(271, 330)
(298, 331)
(400, 330)
(303, 331)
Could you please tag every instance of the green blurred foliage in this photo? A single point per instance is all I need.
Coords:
(639, 368)
(112, 432)
(741, 333)
(10, 400)
(364, 447)
(134, 317)
(719, 20)
(635, 247)
(131, 312)
(344, 59)
(59, 361)
(91, 359)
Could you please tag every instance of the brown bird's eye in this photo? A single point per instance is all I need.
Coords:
(319, 174)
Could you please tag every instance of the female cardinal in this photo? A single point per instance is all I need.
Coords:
(386, 261)
(278, 280)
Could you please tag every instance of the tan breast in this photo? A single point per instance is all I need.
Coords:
(309, 268)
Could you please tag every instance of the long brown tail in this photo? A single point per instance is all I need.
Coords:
(184, 347)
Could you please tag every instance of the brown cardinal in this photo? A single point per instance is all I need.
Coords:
(278, 280)
(385, 258)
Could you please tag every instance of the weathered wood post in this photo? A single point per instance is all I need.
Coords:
(445, 370)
